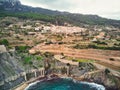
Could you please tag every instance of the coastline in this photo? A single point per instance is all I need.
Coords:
(24, 85)
(39, 79)
(56, 76)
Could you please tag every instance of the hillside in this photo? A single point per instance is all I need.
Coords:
(16, 9)
(40, 44)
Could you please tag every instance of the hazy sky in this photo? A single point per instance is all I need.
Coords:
(104, 8)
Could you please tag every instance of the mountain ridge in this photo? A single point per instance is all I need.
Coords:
(15, 6)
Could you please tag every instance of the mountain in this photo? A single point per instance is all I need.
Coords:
(15, 8)
(10, 5)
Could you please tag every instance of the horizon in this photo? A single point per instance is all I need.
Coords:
(92, 7)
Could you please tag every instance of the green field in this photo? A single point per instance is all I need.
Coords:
(80, 60)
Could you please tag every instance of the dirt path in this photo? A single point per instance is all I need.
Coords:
(22, 87)
(101, 56)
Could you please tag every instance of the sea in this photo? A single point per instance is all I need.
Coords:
(64, 84)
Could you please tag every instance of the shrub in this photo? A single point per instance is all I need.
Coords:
(49, 42)
(60, 43)
(99, 42)
(112, 59)
(48, 54)
(39, 57)
(22, 48)
(4, 42)
(103, 47)
(107, 71)
(27, 60)
(79, 46)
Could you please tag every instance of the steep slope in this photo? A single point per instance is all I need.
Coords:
(9, 65)
(15, 8)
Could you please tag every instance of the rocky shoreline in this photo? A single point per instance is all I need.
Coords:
(107, 87)
(25, 84)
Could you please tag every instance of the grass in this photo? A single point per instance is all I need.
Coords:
(80, 60)
(27, 59)
(85, 60)
(39, 58)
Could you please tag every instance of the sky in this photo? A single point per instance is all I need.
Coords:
(104, 8)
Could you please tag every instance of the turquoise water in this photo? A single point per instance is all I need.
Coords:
(65, 84)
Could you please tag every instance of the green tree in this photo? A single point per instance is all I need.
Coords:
(107, 71)
(4, 42)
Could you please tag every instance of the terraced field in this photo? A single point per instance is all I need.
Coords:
(100, 56)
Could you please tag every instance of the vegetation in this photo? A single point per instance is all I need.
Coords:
(27, 60)
(107, 71)
(78, 46)
(22, 48)
(16, 28)
(75, 19)
(4, 42)
(80, 60)
(100, 42)
(48, 54)
(34, 16)
(104, 47)
(112, 59)
(85, 60)
(39, 58)
(63, 70)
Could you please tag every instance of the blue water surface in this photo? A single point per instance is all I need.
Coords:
(65, 84)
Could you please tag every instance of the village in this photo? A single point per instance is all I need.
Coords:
(28, 32)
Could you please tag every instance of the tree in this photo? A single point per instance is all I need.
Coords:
(22, 48)
(107, 71)
(4, 42)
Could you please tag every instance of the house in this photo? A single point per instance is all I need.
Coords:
(94, 39)
(45, 29)
(38, 28)
(107, 37)
(101, 36)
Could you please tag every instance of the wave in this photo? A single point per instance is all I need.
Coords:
(94, 85)
(91, 85)
(31, 84)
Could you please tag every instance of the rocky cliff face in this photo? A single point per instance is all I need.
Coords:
(12, 69)
(110, 81)
(10, 5)
(9, 65)
(16, 6)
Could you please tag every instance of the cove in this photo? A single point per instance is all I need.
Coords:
(64, 84)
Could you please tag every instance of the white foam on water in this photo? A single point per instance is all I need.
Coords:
(98, 86)
(94, 85)
(31, 84)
